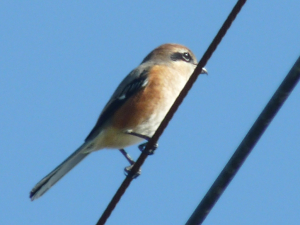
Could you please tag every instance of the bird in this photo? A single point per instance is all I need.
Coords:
(135, 110)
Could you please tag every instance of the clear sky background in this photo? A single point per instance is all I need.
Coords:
(60, 61)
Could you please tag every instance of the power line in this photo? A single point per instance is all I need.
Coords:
(151, 143)
(246, 146)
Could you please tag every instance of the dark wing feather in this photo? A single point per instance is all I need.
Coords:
(133, 83)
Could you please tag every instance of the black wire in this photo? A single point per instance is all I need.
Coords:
(246, 146)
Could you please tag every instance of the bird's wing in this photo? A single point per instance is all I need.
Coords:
(135, 81)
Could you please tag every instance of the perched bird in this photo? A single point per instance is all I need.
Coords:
(136, 108)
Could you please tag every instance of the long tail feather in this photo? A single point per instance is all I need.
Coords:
(48, 181)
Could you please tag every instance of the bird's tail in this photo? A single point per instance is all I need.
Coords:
(48, 181)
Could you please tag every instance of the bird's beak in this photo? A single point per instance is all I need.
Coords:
(204, 71)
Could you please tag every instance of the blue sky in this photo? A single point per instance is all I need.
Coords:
(60, 63)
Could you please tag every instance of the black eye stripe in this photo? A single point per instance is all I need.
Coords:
(176, 56)
(181, 56)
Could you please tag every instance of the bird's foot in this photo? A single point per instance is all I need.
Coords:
(127, 169)
(129, 173)
(143, 146)
(150, 151)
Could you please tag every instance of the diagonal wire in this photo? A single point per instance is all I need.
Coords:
(246, 146)
(212, 47)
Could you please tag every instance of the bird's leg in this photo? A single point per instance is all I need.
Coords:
(128, 168)
(143, 146)
(127, 156)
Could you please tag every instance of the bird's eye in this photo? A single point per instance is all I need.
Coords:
(186, 57)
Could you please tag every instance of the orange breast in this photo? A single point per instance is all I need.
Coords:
(142, 105)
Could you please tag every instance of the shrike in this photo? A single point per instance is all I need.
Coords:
(136, 108)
